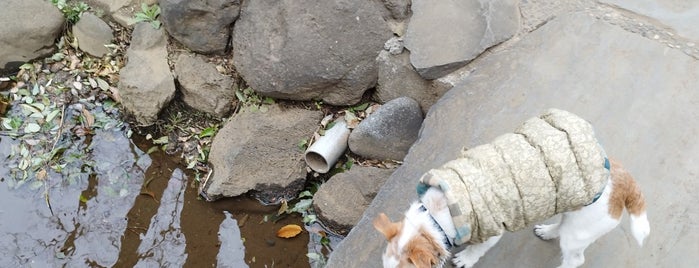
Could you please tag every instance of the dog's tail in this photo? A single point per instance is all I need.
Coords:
(640, 228)
(627, 193)
(636, 206)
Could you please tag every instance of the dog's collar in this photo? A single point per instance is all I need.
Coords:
(445, 238)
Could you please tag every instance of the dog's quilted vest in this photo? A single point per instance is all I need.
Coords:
(550, 164)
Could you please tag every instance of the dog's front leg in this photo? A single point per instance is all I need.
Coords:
(469, 256)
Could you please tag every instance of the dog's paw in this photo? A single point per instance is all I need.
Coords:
(546, 231)
(464, 260)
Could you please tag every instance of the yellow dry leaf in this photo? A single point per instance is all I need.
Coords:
(41, 175)
(289, 231)
(283, 208)
(89, 118)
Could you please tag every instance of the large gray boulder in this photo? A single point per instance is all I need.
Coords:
(202, 26)
(258, 151)
(145, 83)
(388, 133)
(397, 78)
(92, 34)
(203, 87)
(639, 95)
(23, 37)
(357, 187)
(121, 11)
(305, 50)
(443, 36)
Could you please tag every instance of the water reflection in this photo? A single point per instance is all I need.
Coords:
(232, 252)
(116, 206)
(77, 222)
(164, 243)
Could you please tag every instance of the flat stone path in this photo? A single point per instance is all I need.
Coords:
(641, 96)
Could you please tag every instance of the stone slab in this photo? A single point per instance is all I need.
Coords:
(680, 15)
(639, 95)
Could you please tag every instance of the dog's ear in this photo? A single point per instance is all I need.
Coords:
(421, 256)
(386, 227)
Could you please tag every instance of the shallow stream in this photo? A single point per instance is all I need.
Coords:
(132, 209)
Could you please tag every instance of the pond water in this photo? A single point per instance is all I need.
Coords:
(121, 207)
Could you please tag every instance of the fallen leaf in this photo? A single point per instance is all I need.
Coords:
(3, 106)
(89, 118)
(115, 94)
(352, 120)
(289, 231)
(102, 84)
(92, 81)
(52, 115)
(41, 175)
(32, 128)
(242, 221)
(149, 193)
(283, 208)
(324, 122)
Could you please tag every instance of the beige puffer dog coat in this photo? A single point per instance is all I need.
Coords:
(550, 164)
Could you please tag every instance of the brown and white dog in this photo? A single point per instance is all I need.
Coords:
(423, 237)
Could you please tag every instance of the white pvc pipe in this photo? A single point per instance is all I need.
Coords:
(323, 154)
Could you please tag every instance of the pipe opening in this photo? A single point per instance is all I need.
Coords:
(317, 162)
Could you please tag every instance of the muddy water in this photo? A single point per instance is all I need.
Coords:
(132, 209)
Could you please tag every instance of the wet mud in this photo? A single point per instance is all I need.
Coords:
(132, 209)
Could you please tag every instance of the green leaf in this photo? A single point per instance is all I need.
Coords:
(102, 84)
(152, 149)
(310, 218)
(83, 199)
(268, 100)
(302, 144)
(305, 194)
(7, 123)
(58, 56)
(27, 66)
(192, 164)
(140, 18)
(32, 128)
(361, 107)
(23, 92)
(39, 106)
(325, 241)
(52, 115)
(208, 132)
(302, 205)
(161, 140)
(35, 90)
(241, 97)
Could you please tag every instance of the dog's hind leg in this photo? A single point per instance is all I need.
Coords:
(578, 229)
(472, 253)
